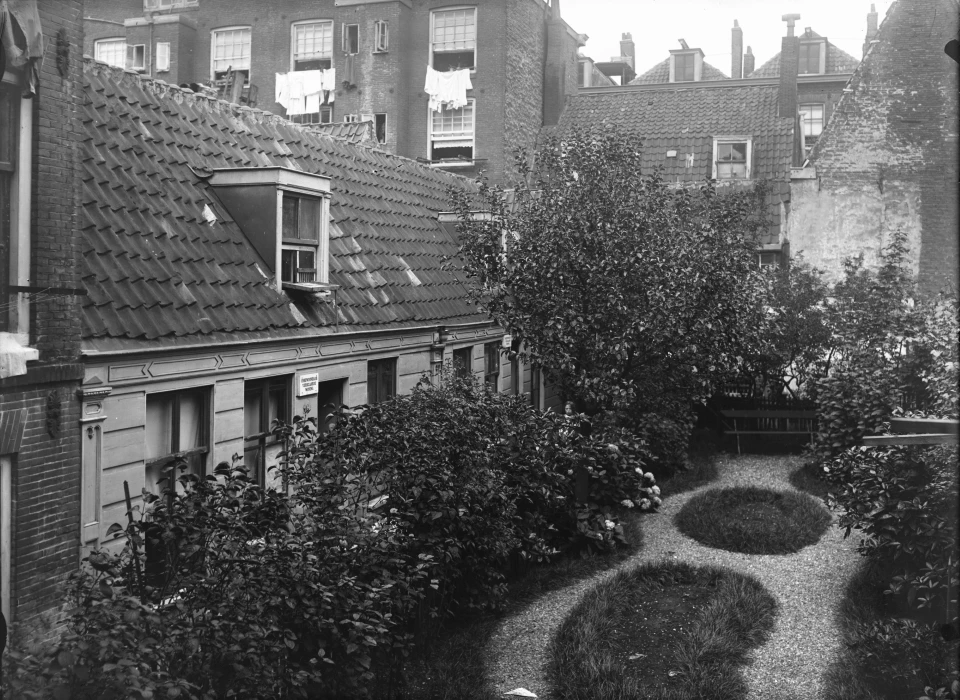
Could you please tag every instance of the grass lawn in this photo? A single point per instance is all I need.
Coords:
(753, 520)
(807, 479)
(662, 631)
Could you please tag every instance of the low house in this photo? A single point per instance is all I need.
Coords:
(887, 159)
(240, 268)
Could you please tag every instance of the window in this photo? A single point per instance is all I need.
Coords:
(812, 116)
(111, 51)
(324, 116)
(381, 36)
(463, 362)
(176, 429)
(264, 401)
(167, 4)
(584, 74)
(732, 158)
(163, 56)
(683, 67)
(453, 42)
(381, 380)
(768, 259)
(491, 369)
(380, 125)
(9, 151)
(301, 219)
(230, 50)
(452, 133)
(312, 45)
(351, 118)
(810, 58)
(535, 380)
(137, 57)
(350, 38)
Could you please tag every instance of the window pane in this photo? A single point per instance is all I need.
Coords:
(251, 411)
(112, 52)
(291, 211)
(313, 40)
(809, 58)
(732, 152)
(812, 119)
(163, 55)
(454, 30)
(454, 122)
(191, 421)
(159, 426)
(277, 408)
(231, 49)
(683, 67)
(306, 266)
(309, 228)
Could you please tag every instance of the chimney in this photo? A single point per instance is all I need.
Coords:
(871, 28)
(558, 50)
(749, 62)
(628, 49)
(736, 51)
(789, 67)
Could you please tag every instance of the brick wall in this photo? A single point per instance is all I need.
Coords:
(104, 19)
(45, 522)
(523, 94)
(888, 157)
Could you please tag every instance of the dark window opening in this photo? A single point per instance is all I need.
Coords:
(380, 124)
(351, 38)
(264, 401)
(312, 64)
(301, 217)
(298, 265)
(683, 64)
(176, 429)
(441, 152)
(463, 363)
(381, 380)
(454, 60)
(324, 116)
(491, 370)
(535, 387)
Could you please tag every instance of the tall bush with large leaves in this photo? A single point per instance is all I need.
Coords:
(632, 293)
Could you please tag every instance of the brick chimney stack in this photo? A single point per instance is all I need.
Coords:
(736, 51)
(749, 62)
(871, 28)
(555, 72)
(628, 50)
(789, 68)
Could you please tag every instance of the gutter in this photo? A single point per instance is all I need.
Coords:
(714, 84)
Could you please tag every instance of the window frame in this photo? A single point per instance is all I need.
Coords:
(430, 38)
(820, 50)
(10, 134)
(684, 57)
(213, 50)
(326, 110)
(264, 438)
(159, 53)
(376, 129)
(345, 37)
(318, 246)
(810, 139)
(381, 36)
(293, 42)
(748, 162)
(380, 368)
(204, 419)
(491, 365)
(131, 52)
(472, 103)
(99, 43)
(461, 369)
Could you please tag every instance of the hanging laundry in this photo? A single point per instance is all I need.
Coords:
(293, 89)
(447, 89)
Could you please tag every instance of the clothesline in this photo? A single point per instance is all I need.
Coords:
(448, 88)
(302, 92)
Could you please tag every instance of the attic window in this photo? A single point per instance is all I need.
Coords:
(686, 65)
(285, 216)
(732, 156)
(812, 57)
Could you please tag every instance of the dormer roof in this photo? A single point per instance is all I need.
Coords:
(838, 60)
(660, 73)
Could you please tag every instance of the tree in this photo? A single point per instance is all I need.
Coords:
(633, 294)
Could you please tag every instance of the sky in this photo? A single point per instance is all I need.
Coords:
(657, 25)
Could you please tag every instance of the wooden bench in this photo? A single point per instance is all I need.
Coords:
(770, 422)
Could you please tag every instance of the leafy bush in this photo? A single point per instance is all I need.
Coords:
(904, 651)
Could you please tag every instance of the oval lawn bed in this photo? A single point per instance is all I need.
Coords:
(662, 631)
(754, 520)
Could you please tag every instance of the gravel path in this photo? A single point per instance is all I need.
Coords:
(808, 586)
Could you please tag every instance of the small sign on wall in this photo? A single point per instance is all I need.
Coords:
(307, 383)
(507, 341)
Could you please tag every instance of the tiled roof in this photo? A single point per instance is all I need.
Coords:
(686, 120)
(359, 133)
(838, 61)
(660, 73)
(154, 269)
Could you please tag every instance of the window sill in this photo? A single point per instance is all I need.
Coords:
(318, 288)
(15, 354)
(454, 164)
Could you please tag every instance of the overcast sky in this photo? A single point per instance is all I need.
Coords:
(657, 25)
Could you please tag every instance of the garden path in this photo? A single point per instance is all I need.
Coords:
(808, 586)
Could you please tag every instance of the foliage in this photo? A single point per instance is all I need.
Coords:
(633, 294)
(904, 651)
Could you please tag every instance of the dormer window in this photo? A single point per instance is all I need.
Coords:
(732, 156)
(686, 65)
(812, 57)
(285, 216)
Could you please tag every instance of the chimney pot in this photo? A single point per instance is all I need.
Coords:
(683, 44)
(790, 20)
(871, 28)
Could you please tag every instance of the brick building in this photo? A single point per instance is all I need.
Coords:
(887, 160)
(40, 367)
(240, 267)
(522, 56)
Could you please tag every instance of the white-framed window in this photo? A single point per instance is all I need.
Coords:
(811, 116)
(177, 428)
(381, 36)
(230, 50)
(324, 116)
(350, 38)
(112, 51)
(137, 57)
(732, 156)
(453, 38)
(312, 45)
(812, 56)
(163, 56)
(452, 133)
(303, 258)
(683, 67)
(168, 4)
(351, 118)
